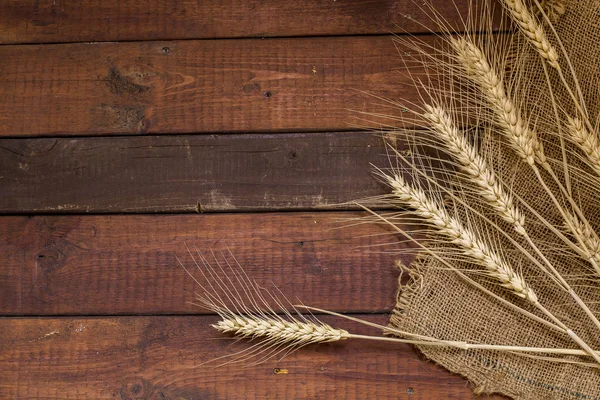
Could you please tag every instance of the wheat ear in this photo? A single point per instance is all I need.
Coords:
(533, 31)
(587, 141)
(298, 333)
(591, 245)
(277, 334)
(477, 67)
(474, 166)
(255, 326)
(451, 228)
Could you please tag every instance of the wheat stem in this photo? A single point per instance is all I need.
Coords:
(295, 333)
(430, 341)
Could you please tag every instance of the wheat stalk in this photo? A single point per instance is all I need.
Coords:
(286, 333)
(295, 333)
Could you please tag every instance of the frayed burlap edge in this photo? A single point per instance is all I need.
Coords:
(410, 289)
(488, 371)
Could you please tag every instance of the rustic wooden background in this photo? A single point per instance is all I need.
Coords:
(130, 128)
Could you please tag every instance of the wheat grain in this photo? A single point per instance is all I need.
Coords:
(474, 166)
(478, 68)
(587, 141)
(454, 230)
(553, 8)
(533, 31)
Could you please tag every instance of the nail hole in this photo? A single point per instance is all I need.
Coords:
(268, 94)
(165, 50)
(410, 390)
(292, 154)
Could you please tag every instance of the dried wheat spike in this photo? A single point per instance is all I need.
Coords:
(533, 31)
(589, 239)
(280, 330)
(483, 74)
(587, 141)
(474, 166)
(451, 228)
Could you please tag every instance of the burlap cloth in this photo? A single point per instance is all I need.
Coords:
(436, 302)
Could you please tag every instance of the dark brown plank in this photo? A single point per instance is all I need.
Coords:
(107, 265)
(157, 358)
(189, 173)
(34, 21)
(308, 84)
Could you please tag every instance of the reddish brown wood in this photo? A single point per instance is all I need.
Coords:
(305, 84)
(107, 265)
(34, 21)
(158, 357)
(190, 173)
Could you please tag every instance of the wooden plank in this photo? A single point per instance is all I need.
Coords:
(308, 84)
(158, 358)
(190, 173)
(34, 21)
(106, 265)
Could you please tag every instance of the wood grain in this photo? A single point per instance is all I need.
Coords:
(34, 21)
(158, 357)
(190, 173)
(109, 265)
(251, 85)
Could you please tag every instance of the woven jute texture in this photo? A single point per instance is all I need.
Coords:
(437, 302)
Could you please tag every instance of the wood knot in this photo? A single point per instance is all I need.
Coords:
(49, 259)
(140, 388)
(122, 85)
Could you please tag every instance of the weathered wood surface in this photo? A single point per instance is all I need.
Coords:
(107, 265)
(108, 288)
(35, 21)
(190, 173)
(158, 357)
(249, 85)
